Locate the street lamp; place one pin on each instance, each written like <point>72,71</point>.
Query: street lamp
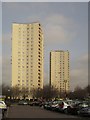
<point>65,81</point>
<point>9,93</point>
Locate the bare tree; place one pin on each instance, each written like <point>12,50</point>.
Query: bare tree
<point>6,90</point>
<point>24,92</point>
<point>15,92</point>
<point>49,92</point>
<point>78,93</point>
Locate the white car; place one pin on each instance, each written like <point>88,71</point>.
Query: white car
<point>3,106</point>
<point>62,107</point>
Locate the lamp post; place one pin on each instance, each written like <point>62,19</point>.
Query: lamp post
<point>65,81</point>
<point>59,86</point>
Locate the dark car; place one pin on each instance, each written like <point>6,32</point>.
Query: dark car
<point>84,111</point>
<point>34,102</point>
<point>54,105</point>
<point>73,109</point>
<point>22,102</point>
<point>47,105</point>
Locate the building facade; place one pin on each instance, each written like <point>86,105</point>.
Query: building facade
<point>27,56</point>
<point>59,70</point>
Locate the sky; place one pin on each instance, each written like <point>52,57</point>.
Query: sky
<point>65,27</point>
<point>45,0</point>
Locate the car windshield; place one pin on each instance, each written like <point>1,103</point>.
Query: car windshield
<point>1,102</point>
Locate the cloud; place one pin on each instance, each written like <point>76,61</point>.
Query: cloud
<point>6,56</point>
<point>79,72</point>
<point>6,44</point>
<point>6,70</point>
<point>6,37</point>
<point>60,29</point>
<point>0,69</point>
<point>84,58</point>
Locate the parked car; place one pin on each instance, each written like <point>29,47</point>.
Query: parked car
<point>54,105</point>
<point>62,107</point>
<point>47,105</point>
<point>34,102</point>
<point>3,109</point>
<point>22,102</point>
<point>3,106</point>
<point>84,111</point>
<point>73,109</point>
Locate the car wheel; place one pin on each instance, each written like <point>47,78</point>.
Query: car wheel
<point>65,111</point>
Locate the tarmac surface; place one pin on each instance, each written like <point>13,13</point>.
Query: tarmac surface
<point>26,111</point>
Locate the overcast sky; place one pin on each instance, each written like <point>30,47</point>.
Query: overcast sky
<point>65,27</point>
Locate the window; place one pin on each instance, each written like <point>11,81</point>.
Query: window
<point>38,52</point>
<point>39,31</point>
<point>38,80</point>
<point>31,45</point>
